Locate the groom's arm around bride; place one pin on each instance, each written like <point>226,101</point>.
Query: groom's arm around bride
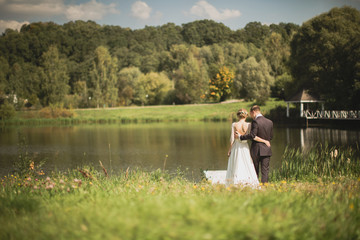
<point>260,152</point>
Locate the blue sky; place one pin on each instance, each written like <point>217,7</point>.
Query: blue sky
<point>137,14</point>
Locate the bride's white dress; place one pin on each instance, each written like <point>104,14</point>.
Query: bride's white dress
<point>241,170</point>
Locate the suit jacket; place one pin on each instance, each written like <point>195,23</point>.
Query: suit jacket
<point>263,128</point>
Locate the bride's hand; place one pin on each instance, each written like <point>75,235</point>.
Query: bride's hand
<point>229,152</point>
<point>267,143</point>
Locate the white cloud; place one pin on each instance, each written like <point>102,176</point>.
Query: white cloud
<point>140,10</point>
<point>205,10</point>
<point>89,11</point>
<point>42,8</point>
<point>11,24</point>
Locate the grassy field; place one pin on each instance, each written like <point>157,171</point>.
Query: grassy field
<point>196,112</point>
<point>152,206</point>
<point>158,205</point>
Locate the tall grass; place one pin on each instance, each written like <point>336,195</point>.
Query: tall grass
<point>156,205</point>
<point>321,161</point>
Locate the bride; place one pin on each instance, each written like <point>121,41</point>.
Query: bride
<point>241,169</point>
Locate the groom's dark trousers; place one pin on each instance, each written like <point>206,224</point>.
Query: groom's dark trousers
<point>260,153</point>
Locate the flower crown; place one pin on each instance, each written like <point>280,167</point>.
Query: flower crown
<point>242,113</point>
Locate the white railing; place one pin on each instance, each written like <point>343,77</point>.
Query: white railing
<point>332,114</point>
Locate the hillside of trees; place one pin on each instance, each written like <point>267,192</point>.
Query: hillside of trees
<point>83,64</point>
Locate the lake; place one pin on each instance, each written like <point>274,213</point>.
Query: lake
<point>190,146</point>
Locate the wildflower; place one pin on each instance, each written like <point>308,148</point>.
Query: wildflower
<point>351,206</point>
<point>68,189</point>
<point>50,186</point>
<point>78,181</point>
<point>283,182</point>
<point>36,187</point>
<point>28,179</point>
<point>90,183</point>
<point>194,186</point>
<point>48,179</point>
<point>333,183</point>
<point>32,165</point>
<point>61,181</point>
<point>202,188</point>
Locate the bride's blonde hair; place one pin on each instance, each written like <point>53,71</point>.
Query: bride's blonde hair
<point>242,113</point>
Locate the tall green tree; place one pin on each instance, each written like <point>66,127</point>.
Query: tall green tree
<point>104,78</point>
<point>25,82</point>
<point>205,32</point>
<point>325,57</point>
<point>54,78</point>
<point>4,71</point>
<point>253,80</point>
<point>191,78</point>
<point>128,85</point>
<point>155,86</point>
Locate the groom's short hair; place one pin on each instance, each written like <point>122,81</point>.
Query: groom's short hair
<point>255,108</point>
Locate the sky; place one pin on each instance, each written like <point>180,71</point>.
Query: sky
<point>137,14</point>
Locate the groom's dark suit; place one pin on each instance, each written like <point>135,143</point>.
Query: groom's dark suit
<point>260,153</point>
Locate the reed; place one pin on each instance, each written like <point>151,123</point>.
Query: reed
<point>321,161</point>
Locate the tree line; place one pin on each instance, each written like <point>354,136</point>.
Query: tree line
<point>83,64</point>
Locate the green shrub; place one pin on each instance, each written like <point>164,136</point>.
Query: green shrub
<point>55,111</point>
<point>7,111</point>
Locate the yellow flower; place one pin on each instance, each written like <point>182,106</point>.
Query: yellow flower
<point>283,181</point>
<point>351,206</point>
<point>333,183</point>
<point>90,183</point>
<point>202,188</point>
<point>195,187</point>
<point>32,165</point>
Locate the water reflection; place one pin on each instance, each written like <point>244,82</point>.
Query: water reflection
<point>192,146</point>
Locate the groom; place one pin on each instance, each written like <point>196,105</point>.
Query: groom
<point>260,153</point>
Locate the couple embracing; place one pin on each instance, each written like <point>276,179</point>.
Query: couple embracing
<point>244,164</point>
